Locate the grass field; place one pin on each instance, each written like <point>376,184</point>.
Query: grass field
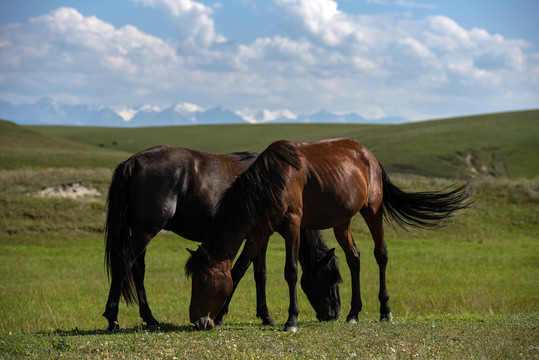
<point>466,291</point>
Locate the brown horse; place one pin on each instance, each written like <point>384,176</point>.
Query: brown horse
<point>315,185</point>
<point>178,189</point>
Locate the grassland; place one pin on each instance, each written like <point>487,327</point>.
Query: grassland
<point>465,291</point>
<point>500,145</point>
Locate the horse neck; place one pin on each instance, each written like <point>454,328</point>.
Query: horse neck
<point>225,237</point>
<point>312,248</point>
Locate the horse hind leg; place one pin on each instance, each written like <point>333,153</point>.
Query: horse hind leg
<point>111,309</point>
<point>140,241</point>
<point>375,223</point>
<point>138,245</point>
<point>347,243</point>
<point>139,269</point>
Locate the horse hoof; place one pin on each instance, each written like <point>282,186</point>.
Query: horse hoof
<point>386,317</point>
<point>151,322</point>
<point>268,321</point>
<point>113,327</point>
<point>351,320</point>
<point>292,329</point>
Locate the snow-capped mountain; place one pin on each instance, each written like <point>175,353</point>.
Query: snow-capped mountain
<point>49,112</point>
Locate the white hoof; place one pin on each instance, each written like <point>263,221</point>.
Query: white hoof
<point>292,329</point>
<point>386,317</point>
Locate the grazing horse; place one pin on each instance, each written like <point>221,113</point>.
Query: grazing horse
<point>178,189</point>
<point>314,185</point>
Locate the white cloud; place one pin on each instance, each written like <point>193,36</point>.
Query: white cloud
<point>323,58</point>
<point>192,19</point>
<point>416,47</point>
<point>76,54</point>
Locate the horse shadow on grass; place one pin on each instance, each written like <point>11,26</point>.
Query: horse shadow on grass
<point>161,328</point>
<point>173,328</point>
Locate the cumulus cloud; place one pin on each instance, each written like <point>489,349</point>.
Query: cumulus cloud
<point>65,50</point>
<point>375,65</point>
<point>193,21</point>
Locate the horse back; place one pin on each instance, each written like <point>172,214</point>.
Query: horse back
<point>340,177</point>
<point>178,188</point>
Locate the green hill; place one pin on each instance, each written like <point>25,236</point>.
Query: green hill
<point>22,147</point>
<point>501,145</point>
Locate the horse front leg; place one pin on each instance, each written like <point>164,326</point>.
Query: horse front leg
<point>252,249</point>
<point>260,275</point>
<point>292,238</point>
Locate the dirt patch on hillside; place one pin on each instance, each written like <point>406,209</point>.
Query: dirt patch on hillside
<point>72,191</point>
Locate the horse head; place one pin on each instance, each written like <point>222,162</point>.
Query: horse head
<point>322,287</point>
<point>212,285</point>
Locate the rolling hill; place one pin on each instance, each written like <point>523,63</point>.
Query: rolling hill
<point>21,147</point>
<point>499,145</point>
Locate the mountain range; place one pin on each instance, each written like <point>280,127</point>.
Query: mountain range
<point>49,112</point>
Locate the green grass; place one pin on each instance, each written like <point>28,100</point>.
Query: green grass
<point>501,145</point>
<point>465,291</point>
<point>453,337</point>
<point>21,147</point>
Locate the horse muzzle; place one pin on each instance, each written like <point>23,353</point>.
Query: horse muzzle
<point>329,315</point>
<point>204,323</point>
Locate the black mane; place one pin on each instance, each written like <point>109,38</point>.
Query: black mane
<point>254,198</point>
<point>243,155</point>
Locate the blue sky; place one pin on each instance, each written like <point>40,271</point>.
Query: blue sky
<point>415,59</point>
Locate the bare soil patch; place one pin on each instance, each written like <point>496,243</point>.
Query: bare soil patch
<point>71,190</point>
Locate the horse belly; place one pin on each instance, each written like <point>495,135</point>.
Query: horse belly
<point>327,212</point>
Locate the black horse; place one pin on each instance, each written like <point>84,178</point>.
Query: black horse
<point>178,189</point>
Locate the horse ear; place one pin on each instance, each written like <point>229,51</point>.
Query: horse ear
<point>203,252</point>
<point>330,255</point>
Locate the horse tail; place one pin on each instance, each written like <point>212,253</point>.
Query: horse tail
<point>425,210</point>
<point>118,254</point>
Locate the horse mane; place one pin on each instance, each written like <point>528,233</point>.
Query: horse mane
<point>243,155</point>
<point>193,264</point>
<point>253,198</point>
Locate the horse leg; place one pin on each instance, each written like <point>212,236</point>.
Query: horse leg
<point>252,248</point>
<point>111,309</point>
<point>347,243</point>
<point>259,268</point>
<point>292,238</point>
<point>375,223</point>
<point>138,245</point>
<point>139,270</point>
